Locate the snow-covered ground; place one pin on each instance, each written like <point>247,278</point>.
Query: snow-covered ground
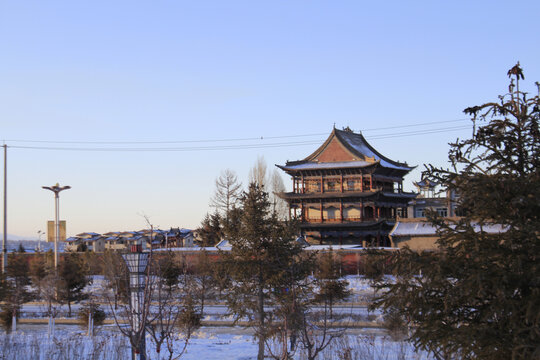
<point>69,342</point>
<point>32,341</point>
<point>354,309</point>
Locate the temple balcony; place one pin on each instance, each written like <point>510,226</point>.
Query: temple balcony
<point>348,220</point>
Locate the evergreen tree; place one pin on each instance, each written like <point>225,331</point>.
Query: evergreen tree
<point>292,300</point>
<point>331,287</point>
<point>21,248</point>
<point>232,225</point>
<point>15,289</point>
<point>203,276</point>
<point>479,296</point>
<point>37,271</point>
<point>168,270</point>
<point>257,262</point>
<point>210,231</point>
<point>73,279</point>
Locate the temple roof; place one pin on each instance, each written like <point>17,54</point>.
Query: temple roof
<point>425,184</point>
<point>344,149</point>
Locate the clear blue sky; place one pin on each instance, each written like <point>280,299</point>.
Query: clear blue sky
<point>150,71</point>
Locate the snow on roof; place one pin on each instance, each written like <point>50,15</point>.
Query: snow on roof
<point>223,244</point>
<point>412,228</point>
<point>87,234</point>
<point>424,228</point>
<point>333,247</point>
<point>358,143</point>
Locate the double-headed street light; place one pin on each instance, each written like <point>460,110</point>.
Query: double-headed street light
<point>56,190</point>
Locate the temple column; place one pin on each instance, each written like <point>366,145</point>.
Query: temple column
<point>322,219</point>
<point>303,184</point>
<point>341,210</point>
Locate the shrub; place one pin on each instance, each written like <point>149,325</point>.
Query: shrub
<point>6,316</point>
<point>97,314</point>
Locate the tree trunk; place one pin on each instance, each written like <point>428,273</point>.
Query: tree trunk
<point>14,322</point>
<point>260,300</point>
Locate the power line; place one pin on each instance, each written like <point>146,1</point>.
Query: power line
<point>220,140</point>
<point>234,146</point>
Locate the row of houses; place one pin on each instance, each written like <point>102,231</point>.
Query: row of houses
<point>121,240</point>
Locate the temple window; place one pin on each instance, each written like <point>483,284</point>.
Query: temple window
<point>331,185</point>
<point>366,184</point>
<point>442,212</point>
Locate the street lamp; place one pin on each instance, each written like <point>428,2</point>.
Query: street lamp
<point>137,261</point>
<point>56,190</point>
<point>39,239</point>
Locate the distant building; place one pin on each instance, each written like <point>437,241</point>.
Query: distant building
<point>51,230</point>
<point>346,192</point>
<point>419,234</point>
<point>429,198</point>
<point>120,241</point>
<point>88,241</point>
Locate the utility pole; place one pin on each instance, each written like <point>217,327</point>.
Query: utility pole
<point>4,242</point>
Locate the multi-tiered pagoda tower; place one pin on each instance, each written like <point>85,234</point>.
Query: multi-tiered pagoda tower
<point>346,192</point>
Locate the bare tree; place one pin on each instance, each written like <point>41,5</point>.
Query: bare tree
<point>276,187</point>
<point>258,173</point>
<point>272,183</point>
<point>227,193</point>
<point>317,331</point>
<point>166,306</point>
<point>49,293</point>
<point>130,322</point>
<point>116,275</point>
<point>318,328</point>
<point>171,308</point>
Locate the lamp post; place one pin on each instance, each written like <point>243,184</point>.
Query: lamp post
<point>56,190</point>
<point>39,239</point>
<point>4,241</point>
<point>137,261</point>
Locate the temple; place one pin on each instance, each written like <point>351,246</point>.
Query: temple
<point>346,192</point>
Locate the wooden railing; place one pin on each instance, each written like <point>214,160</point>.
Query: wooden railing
<point>338,220</point>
